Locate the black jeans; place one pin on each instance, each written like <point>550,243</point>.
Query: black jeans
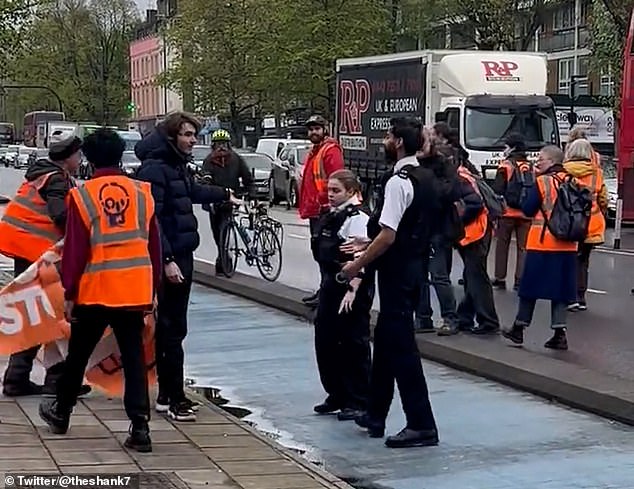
<point>312,225</point>
<point>219,216</point>
<point>478,292</point>
<point>396,355</point>
<point>20,364</point>
<point>437,274</point>
<point>558,313</point>
<point>86,330</point>
<point>342,343</point>
<point>171,329</point>
<point>583,264</point>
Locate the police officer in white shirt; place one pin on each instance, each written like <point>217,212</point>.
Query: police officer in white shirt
<point>401,231</point>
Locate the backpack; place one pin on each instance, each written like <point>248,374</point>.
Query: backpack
<point>518,185</point>
<point>570,216</point>
<point>495,204</point>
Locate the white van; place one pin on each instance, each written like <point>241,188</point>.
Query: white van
<point>273,147</point>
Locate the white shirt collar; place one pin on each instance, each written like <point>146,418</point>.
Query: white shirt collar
<point>408,160</point>
<point>354,200</point>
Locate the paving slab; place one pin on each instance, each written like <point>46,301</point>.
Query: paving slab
<point>100,469</point>
<point>235,454</point>
<point>208,478</point>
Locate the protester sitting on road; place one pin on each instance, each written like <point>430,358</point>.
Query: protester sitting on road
<point>325,158</point>
<point>342,323</point>
<point>579,164</point>
<point>164,155</point>
<point>550,267</point>
<point>35,220</point>
<point>111,268</point>
<point>225,168</point>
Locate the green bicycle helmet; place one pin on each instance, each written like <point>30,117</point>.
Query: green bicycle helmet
<point>221,136</point>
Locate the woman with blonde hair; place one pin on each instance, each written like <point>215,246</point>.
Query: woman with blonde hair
<point>579,162</point>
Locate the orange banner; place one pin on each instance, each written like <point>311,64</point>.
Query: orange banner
<point>32,313</point>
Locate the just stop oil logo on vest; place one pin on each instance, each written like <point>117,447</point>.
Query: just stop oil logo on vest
<point>115,201</point>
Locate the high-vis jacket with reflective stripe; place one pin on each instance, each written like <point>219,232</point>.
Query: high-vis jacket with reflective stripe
<point>508,168</point>
<point>26,229</point>
<point>475,230</point>
<point>539,236</point>
<point>117,211</point>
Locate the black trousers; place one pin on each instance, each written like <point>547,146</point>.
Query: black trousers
<point>219,216</point>
<point>312,225</point>
<point>396,355</point>
<point>86,330</point>
<point>171,329</point>
<point>18,372</point>
<point>342,344</point>
<point>478,293</point>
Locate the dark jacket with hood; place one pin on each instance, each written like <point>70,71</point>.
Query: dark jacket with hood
<point>55,190</point>
<point>174,192</point>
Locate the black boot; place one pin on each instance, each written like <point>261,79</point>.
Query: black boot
<point>57,419</point>
<point>376,429</point>
<point>515,334</point>
<point>407,438</point>
<point>327,407</point>
<point>20,390</point>
<point>349,414</point>
<point>558,341</point>
<point>139,438</point>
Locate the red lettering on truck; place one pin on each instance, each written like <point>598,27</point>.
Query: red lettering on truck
<point>500,70</point>
<point>354,100</point>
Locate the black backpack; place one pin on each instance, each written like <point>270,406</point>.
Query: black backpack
<point>518,185</point>
<point>494,203</point>
<point>570,216</point>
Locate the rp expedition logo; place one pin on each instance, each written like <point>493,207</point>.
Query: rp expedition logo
<point>500,71</point>
<point>354,99</point>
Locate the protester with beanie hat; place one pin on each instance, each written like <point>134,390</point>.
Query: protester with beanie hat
<point>53,180</point>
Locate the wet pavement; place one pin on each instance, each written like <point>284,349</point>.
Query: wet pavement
<point>492,437</point>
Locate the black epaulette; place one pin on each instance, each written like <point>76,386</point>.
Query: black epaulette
<point>404,172</point>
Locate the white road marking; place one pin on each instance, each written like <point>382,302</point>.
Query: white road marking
<point>595,291</point>
<point>297,236</point>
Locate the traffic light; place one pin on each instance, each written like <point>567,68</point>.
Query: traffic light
<point>131,107</point>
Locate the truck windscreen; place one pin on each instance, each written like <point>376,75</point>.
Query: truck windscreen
<point>487,128</point>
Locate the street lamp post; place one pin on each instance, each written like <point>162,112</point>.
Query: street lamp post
<point>38,87</point>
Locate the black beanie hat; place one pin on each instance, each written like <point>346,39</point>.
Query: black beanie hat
<point>61,150</point>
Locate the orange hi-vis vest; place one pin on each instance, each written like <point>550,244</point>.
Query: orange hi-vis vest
<point>26,229</point>
<point>319,174</point>
<point>117,211</point>
<point>539,236</point>
<point>508,173</point>
<point>596,159</point>
<point>474,231</point>
<point>594,182</point>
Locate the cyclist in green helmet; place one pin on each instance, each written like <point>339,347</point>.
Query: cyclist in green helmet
<point>225,168</point>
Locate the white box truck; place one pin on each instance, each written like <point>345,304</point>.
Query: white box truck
<point>485,95</point>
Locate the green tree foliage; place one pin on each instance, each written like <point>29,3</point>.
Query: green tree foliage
<point>609,26</point>
<point>251,55</point>
<point>486,24</point>
<point>80,49</point>
<point>16,17</point>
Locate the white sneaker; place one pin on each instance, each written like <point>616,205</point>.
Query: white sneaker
<point>162,404</point>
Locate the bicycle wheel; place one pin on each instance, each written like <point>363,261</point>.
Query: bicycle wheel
<point>229,251</point>
<point>267,248</point>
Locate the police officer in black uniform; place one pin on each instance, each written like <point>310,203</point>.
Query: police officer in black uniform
<point>342,322</point>
<point>401,231</point>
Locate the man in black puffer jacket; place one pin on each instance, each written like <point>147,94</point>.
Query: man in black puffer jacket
<point>164,154</point>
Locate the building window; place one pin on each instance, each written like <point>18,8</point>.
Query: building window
<point>566,70</point>
<point>606,83</point>
<point>564,17</point>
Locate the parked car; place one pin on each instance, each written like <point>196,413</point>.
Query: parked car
<point>12,154</point>
<point>611,183</point>
<point>199,154</point>
<point>24,156</point>
<point>286,175</point>
<point>260,166</point>
<point>3,153</point>
<point>130,163</point>
<point>38,154</point>
<point>274,146</point>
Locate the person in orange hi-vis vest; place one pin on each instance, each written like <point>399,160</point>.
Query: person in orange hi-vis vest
<point>477,302</point>
<point>550,267</point>
<point>34,221</point>
<point>514,175</point>
<point>579,163</point>
<point>112,241</point>
<point>325,158</point>
<point>577,133</point>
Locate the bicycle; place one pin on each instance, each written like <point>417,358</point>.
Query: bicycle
<point>261,237</point>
